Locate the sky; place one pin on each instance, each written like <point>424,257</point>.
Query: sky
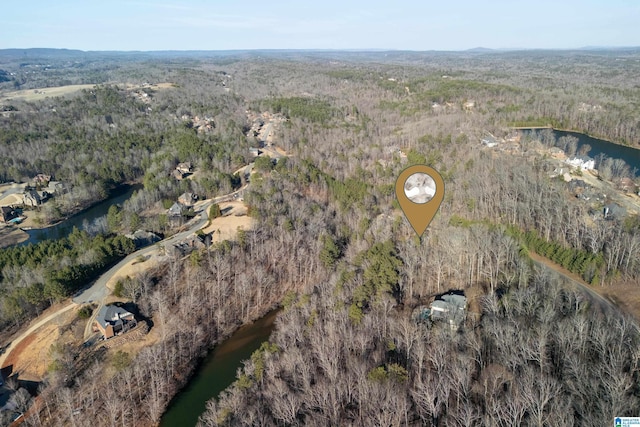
<point>325,24</point>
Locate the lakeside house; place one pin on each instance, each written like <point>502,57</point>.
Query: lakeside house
<point>31,198</point>
<point>583,162</point>
<point>113,320</point>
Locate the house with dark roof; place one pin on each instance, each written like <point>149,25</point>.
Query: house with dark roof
<point>31,198</point>
<point>7,214</point>
<point>113,320</point>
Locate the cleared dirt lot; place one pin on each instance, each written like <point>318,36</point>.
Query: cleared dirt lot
<point>31,357</point>
<point>234,217</point>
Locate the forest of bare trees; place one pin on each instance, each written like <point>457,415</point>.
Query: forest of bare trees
<point>535,358</point>
<point>331,242</point>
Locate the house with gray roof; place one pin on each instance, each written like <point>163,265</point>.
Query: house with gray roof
<point>613,211</point>
<point>450,307</point>
<point>113,320</point>
<point>176,210</point>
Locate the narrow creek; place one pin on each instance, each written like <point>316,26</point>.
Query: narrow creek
<point>217,372</point>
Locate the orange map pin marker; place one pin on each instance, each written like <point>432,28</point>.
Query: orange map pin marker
<point>420,191</point>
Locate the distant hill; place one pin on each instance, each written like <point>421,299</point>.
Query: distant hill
<point>480,50</point>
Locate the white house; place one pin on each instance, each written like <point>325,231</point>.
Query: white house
<point>582,162</point>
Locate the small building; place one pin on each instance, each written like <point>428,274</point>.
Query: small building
<point>613,211</point>
<point>113,320</point>
<point>41,178</point>
<point>177,209</point>
<point>183,170</point>
<point>7,214</point>
<point>184,167</point>
<point>255,152</point>
<point>55,188</point>
<point>489,142</point>
<point>143,238</point>
<point>187,199</point>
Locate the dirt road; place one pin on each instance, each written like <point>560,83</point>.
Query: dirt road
<point>603,303</point>
<point>40,322</point>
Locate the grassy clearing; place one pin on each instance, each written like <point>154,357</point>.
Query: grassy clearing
<point>39,94</point>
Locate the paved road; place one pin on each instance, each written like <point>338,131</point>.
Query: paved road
<point>98,291</point>
<point>13,189</point>
<point>267,132</point>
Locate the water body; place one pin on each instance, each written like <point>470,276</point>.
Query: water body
<point>217,372</point>
<point>599,146</point>
<point>64,228</point>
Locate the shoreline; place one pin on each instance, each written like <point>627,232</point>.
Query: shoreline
<point>76,212</point>
<point>11,237</point>
<point>520,128</point>
<point>20,234</point>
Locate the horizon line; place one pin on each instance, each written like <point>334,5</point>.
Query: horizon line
<point>478,49</point>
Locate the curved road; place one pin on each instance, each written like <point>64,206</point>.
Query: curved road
<point>99,291</point>
<point>604,304</point>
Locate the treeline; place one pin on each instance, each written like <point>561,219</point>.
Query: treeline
<point>34,276</point>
